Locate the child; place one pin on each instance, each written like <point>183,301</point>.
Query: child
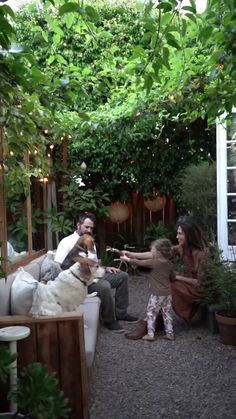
<point>159,283</point>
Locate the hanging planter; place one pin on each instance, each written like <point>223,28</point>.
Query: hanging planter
<point>118,212</point>
<point>156,204</point>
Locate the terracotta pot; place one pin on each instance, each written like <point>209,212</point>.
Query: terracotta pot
<point>156,204</point>
<point>227,328</point>
<point>118,212</point>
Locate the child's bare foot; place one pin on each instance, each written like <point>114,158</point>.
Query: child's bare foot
<point>170,336</point>
<point>148,337</point>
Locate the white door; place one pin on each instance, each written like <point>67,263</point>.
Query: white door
<point>226,185</point>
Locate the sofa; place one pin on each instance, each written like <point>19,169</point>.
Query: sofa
<point>66,343</point>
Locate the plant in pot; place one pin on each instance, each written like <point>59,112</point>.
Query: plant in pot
<point>220,289</point>
<point>37,394</point>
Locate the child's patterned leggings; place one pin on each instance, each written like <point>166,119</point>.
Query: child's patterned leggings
<point>155,304</point>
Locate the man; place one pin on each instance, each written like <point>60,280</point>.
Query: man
<point>114,278</point>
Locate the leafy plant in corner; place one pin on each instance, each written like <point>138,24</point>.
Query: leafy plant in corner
<point>220,283</point>
<point>37,395</point>
<point>6,359</point>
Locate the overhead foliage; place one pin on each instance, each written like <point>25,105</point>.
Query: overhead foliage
<point>135,87</point>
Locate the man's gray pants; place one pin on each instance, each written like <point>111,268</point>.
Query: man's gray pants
<point>110,309</point>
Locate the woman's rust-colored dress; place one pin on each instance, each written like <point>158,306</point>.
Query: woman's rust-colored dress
<point>185,296</point>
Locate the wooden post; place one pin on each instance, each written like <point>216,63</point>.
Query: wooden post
<point>3,216</point>
<point>29,210</point>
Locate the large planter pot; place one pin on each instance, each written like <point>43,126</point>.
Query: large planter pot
<point>227,328</point>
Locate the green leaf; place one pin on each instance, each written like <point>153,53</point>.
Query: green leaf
<point>165,19</point>
<point>83,116</point>
<point>183,27</point>
<point>45,36</point>
<point>205,33</point>
<point>7,10</point>
<point>172,41</point>
<point>68,8</point>
<point>4,41</point>
<point>69,19</point>
<point>5,26</point>
<point>165,57</point>
<point>56,39</point>
<point>191,17</point>
<point>61,59</point>
<point>51,59</point>
<point>137,53</point>
<point>164,5</point>
<point>148,82</point>
<point>37,74</point>
<point>92,13</point>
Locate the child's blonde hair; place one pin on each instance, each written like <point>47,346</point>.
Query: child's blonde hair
<point>163,246</point>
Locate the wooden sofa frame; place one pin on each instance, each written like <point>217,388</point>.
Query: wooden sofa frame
<point>58,342</point>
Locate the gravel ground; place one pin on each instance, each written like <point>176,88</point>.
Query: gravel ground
<point>191,377</point>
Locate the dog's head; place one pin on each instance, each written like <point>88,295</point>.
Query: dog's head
<point>87,257</point>
<point>86,251</point>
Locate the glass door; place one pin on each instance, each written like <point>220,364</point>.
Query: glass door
<point>226,185</point>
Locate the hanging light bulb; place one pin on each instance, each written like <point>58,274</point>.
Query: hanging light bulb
<point>83,166</point>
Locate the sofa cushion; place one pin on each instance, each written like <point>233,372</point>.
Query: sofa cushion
<point>90,309</point>
<point>49,269</point>
<point>22,291</point>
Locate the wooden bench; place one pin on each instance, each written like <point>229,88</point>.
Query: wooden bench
<point>57,342</point>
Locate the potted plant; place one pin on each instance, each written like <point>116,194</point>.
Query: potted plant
<point>220,289</point>
<point>37,394</point>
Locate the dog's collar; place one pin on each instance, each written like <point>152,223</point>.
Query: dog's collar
<point>81,280</point>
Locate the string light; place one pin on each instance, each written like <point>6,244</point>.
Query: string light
<point>83,166</point>
<point>51,146</point>
<point>35,152</point>
<point>11,153</point>
<point>46,131</point>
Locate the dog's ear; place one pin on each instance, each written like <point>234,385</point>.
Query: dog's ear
<point>88,242</point>
<point>85,261</point>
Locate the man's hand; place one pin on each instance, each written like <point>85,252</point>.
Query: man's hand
<point>112,270</point>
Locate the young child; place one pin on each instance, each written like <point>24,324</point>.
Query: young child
<point>162,273</point>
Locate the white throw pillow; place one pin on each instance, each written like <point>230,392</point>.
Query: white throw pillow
<point>22,291</point>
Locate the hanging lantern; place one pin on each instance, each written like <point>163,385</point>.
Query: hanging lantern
<point>118,212</point>
<point>156,204</point>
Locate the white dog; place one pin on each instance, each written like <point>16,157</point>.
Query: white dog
<point>70,287</point>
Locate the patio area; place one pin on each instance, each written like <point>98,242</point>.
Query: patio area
<point>191,377</point>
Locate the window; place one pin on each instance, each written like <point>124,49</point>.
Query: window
<point>226,185</point>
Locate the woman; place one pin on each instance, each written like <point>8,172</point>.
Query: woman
<point>186,290</point>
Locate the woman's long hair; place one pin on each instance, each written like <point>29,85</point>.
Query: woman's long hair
<point>193,235</point>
